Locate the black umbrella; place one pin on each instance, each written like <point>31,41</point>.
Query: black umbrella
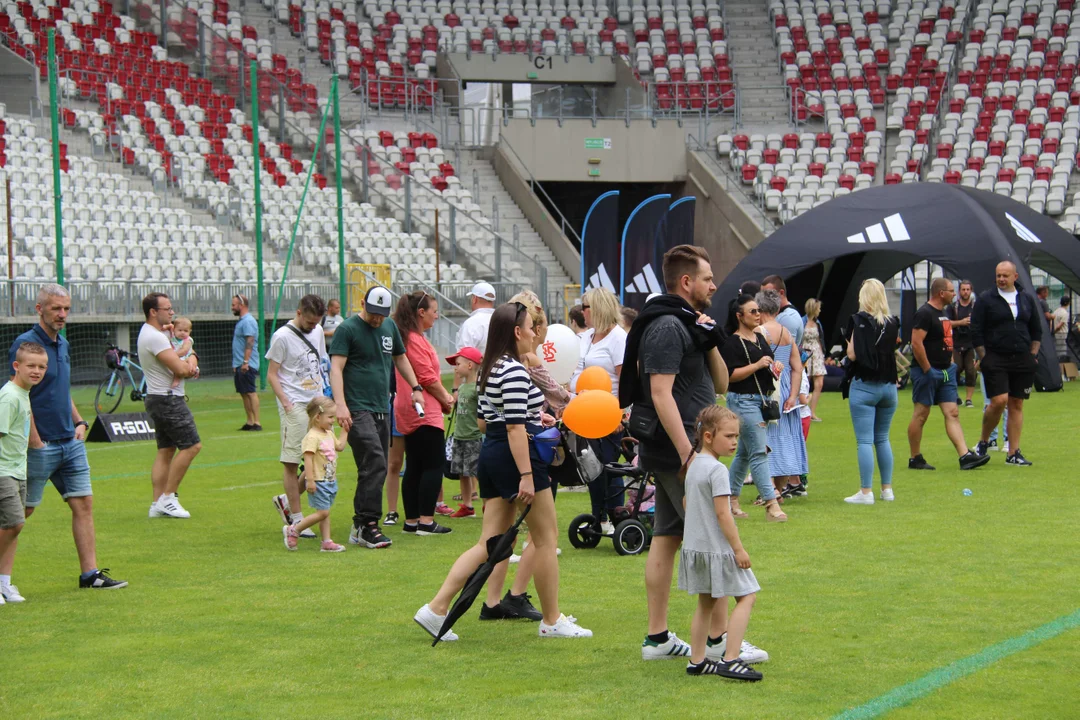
<point>500,547</point>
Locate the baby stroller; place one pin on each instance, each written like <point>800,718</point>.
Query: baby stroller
<point>633,522</point>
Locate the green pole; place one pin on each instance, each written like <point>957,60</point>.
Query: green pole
<point>340,202</point>
<point>303,197</point>
<point>54,115</point>
<point>258,220</point>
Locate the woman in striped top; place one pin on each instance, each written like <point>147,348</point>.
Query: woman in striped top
<point>510,471</point>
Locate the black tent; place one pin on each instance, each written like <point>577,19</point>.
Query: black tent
<point>878,232</point>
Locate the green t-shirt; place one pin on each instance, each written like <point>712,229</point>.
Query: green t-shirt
<point>465,427</point>
<point>369,362</point>
<point>15,426</point>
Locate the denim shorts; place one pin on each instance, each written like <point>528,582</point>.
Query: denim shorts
<point>62,461</point>
<point>935,387</point>
<point>324,495</point>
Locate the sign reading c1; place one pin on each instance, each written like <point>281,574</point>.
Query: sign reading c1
<point>122,427</point>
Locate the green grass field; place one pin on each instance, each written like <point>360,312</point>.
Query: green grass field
<point>221,622</point>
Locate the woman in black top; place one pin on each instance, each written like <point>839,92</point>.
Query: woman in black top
<point>751,381</point>
<point>871,347</point>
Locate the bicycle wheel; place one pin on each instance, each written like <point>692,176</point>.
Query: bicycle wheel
<point>109,394</point>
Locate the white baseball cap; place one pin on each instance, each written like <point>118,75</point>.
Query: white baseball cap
<point>484,291</point>
<point>378,301</point>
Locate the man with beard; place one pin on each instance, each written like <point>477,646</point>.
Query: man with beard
<point>296,355</point>
<point>959,315</point>
<point>245,361</point>
<point>671,370</point>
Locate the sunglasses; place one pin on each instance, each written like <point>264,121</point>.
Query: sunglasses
<point>753,311</point>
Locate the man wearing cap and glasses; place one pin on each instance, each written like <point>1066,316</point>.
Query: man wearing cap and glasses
<point>474,331</point>
<point>363,353</point>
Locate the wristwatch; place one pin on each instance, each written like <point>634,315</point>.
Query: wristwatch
<point>83,423</point>
<point>418,388</point>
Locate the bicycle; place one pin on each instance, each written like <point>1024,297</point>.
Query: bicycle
<point>111,390</point>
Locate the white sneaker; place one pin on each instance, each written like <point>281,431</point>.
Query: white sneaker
<point>887,495</point>
<point>155,510</point>
<point>607,528</point>
<point>860,498</point>
<point>426,618</point>
<point>307,534</point>
<point>563,628</point>
<point>2,600</point>
<point>10,594</point>
<point>515,559</point>
<point>169,506</point>
<point>281,504</point>
<point>749,653</point>
<point>672,649</point>
<point>354,537</point>
<point>1005,448</point>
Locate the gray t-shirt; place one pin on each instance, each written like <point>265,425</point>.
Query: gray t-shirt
<point>667,348</point>
<point>789,317</point>
<point>707,478</point>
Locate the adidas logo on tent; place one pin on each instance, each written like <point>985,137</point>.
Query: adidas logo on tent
<point>1022,232</point>
<point>645,282</point>
<point>600,279</point>
<point>897,231</point>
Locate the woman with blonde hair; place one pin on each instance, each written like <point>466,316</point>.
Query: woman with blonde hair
<point>870,336</point>
<point>603,345</point>
<point>813,349</point>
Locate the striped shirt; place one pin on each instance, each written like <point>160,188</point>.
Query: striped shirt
<point>510,396</point>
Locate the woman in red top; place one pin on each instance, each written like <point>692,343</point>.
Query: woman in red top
<point>425,445</point>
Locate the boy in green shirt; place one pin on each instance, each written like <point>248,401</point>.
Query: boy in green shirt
<point>468,433</point>
<point>28,369</point>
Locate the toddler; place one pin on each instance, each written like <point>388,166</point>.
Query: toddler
<point>320,448</point>
<point>713,564</point>
<point>468,433</point>
<point>183,345</point>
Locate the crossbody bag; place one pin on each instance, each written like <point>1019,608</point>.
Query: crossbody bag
<point>323,369</point>
<point>770,409</point>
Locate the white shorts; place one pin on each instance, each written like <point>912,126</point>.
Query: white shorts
<point>294,426</point>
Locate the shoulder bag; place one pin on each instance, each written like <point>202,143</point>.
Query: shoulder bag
<point>770,409</point>
<point>324,368</point>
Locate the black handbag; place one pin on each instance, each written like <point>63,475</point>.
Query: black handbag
<point>770,409</point>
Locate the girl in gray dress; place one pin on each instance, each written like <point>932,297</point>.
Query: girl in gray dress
<point>713,564</point>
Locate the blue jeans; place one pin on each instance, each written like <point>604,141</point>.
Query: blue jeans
<point>751,454</point>
<point>872,408</point>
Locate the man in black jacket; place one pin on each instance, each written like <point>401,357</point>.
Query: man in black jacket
<point>1006,329</point>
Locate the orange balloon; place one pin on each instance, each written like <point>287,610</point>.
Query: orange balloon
<point>594,378</point>
<point>593,414</point>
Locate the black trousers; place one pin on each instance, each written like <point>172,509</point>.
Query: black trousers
<point>369,438</point>
<point>425,450</point>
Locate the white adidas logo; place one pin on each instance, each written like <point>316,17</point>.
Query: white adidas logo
<point>1022,232</point>
<point>876,232</point>
<point>600,279</point>
<point>645,282</point>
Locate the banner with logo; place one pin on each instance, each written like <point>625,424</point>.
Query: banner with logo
<point>680,222</point>
<point>908,303</point>
<point>644,242</point>
<point>601,251</point>
<point>121,427</point>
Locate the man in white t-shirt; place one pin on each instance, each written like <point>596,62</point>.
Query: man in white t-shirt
<point>333,319</point>
<point>296,354</point>
<point>1060,328</point>
<point>474,331</point>
<point>174,427</point>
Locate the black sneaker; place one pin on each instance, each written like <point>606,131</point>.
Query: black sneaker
<point>972,460</point>
<point>432,528</point>
<point>371,537</point>
<point>1017,459</point>
<point>992,443</point>
<point>969,404</point>
<point>919,463</point>
<point>493,613</point>
<point>407,528</point>
<point>101,581</point>
<point>518,606</point>
<point>983,448</point>
<point>734,670</point>
<point>390,519</point>
<point>255,428</point>
<point>246,428</point>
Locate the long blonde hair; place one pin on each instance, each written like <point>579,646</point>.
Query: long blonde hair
<point>604,307</point>
<point>873,301</point>
<point>813,309</point>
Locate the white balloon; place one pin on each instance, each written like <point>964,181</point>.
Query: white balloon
<point>560,353</point>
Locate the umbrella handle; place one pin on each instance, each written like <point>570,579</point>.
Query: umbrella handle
<point>523,512</point>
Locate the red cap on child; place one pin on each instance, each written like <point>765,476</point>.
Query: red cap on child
<point>469,353</point>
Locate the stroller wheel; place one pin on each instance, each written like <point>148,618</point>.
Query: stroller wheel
<point>583,532</point>
<point>630,538</point>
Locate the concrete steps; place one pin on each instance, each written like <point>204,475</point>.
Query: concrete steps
<point>748,30</point>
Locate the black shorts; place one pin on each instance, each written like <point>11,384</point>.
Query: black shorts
<point>1013,374</point>
<point>174,425</point>
<point>497,473</point>
<point>245,381</point>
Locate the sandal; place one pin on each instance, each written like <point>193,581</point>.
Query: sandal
<point>738,512</point>
<point>777,516</point>
<point>457,498</point>
<point>759,501</point>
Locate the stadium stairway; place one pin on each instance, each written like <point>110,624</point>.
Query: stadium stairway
<point>753,58</point>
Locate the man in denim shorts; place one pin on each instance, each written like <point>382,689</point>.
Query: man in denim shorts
<point>177,438</point>
<point>56,449</point>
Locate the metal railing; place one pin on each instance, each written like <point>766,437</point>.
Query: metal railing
<point>538,189</point>
<point>733,186</point>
